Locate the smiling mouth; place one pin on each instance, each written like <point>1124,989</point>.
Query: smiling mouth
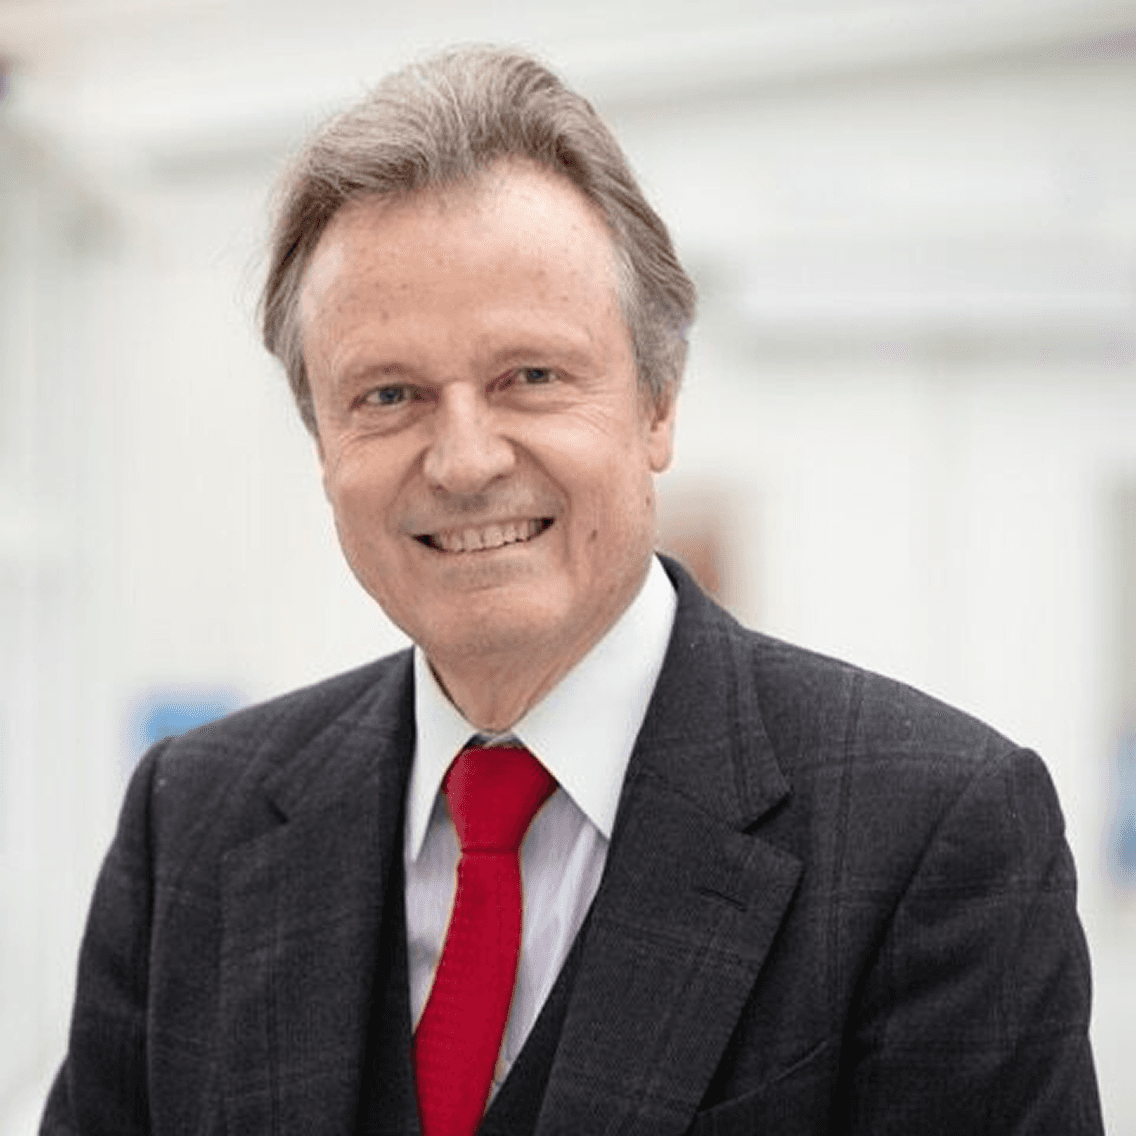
<point>485,538</point>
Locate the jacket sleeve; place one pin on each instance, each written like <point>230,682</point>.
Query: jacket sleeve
<point>975,1017</point>
<point>101,1086</point>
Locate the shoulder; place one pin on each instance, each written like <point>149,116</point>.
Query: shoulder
<point>214,775</point>
<point>812,706</point>
<point>886,769</point>
<point>859,753</point>
<point>896,791</point>
<point>886,791</point>
<point>262,732</point>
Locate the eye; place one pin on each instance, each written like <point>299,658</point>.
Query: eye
<point>525,377</point>
<point>386,396</point>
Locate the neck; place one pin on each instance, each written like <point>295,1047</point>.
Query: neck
<point>495,688</point>
<point>494,694</point>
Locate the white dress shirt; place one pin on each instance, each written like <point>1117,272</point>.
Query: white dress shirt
<point>583,732</point>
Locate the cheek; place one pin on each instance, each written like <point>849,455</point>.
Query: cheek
<point>357,488</point>
<point>359,518</point>
<point>346,506</point>
<point>624,520</point>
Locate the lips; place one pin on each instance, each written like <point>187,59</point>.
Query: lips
<point>485,537</point>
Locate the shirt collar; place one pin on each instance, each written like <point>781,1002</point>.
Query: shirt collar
<point>582,731</point>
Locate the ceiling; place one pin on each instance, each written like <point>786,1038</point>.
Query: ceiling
<point>123,85</point>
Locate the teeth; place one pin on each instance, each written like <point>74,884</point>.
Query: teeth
<point>490,536</point>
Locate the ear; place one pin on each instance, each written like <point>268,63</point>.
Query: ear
<point>660,432</point>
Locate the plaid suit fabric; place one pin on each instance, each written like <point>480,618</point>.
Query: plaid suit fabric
<point>831,905</point>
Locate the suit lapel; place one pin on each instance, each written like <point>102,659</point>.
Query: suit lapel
<point>302,910</point>
<point>690,901</point>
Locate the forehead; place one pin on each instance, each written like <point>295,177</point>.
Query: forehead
<point>515,224</point>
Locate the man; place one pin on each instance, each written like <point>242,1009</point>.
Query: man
<point>763,891</point>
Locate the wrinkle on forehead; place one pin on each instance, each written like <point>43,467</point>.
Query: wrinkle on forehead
<point>509,181</point>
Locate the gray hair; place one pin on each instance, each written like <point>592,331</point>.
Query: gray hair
<point>439,124</point>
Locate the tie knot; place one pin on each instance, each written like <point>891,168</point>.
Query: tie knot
<point>494,793</point>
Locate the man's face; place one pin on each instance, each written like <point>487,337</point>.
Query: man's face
<point>485,446</point>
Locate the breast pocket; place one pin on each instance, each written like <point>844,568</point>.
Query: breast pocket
<point>795,1100</point>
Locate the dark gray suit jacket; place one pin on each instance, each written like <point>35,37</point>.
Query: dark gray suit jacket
<point>831,905</point>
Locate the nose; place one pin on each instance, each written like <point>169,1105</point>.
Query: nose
<point>467,451</point>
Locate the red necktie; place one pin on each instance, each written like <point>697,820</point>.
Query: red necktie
<point>493,795</point>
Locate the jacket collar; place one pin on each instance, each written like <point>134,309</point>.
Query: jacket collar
<point>703,733</point>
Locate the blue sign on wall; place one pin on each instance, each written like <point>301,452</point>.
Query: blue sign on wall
<point>1122,835</point>
<point>166,713</point>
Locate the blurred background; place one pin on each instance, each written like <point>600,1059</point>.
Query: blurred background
<point>908,435</point>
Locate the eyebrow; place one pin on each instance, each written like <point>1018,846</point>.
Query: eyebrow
<point>546,355</point>
<point>550,349</point>
<point>568,347</point>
